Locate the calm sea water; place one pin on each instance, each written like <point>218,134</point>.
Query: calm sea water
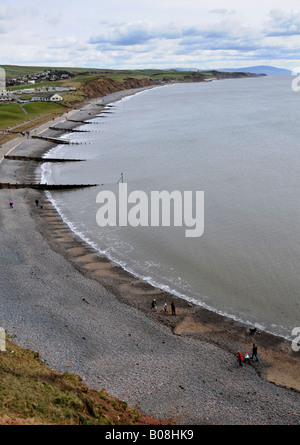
<point>236,140</point>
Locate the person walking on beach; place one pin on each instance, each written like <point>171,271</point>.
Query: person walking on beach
<point>36,202</point>
<point>247,358</point>
<point>153,304</point>
<point>254,352</point>
<point>165,308</point>
<point>173,308</point>
<point>240,358</point>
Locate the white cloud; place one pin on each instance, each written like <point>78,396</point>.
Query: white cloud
<point>283,23</point>
<point>139,33</point>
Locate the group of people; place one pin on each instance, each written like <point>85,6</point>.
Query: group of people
<point>246,359</point>
<point>37,203</point>
<point>240,358</point>
<point>25,133</point>
<point>164,308</point>
<point>11,204</point>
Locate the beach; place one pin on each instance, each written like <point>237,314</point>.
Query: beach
<point>86,315</point>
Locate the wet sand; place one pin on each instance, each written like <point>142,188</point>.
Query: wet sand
<point>201,345</point>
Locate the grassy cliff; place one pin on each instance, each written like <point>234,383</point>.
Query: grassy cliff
<point>33,394</point>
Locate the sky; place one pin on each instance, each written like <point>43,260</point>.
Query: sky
<point>140,34</point>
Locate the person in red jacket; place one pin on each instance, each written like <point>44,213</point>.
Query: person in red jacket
<point>240,358</point>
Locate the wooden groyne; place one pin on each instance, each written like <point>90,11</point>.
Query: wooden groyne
<point>71,130</point>
<point>50,139</point>
<point>7,185</point>
<point>77,122</point>
<point>58,141</point>
<point>40,159</point>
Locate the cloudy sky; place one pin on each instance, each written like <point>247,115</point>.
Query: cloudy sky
<point>201,34</point>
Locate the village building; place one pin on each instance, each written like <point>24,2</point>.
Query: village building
<point>5,95</point>
<point>46,97</point>
<point>26,91</point>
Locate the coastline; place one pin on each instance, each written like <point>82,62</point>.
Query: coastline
<point>191,324</point>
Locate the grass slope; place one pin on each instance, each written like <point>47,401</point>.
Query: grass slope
<point>14,114</point>
<point>31,393</point>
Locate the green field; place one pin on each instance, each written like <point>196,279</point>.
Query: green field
<point>13,71</point>
<point>12,114</point>
<point>19,70</point>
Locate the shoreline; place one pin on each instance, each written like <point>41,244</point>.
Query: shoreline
<point>277,362</point>
<point>117,97</point>
<point>105,102</point>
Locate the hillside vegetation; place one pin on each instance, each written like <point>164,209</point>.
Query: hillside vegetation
<point>31,393</point>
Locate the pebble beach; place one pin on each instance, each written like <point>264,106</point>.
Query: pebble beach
<point>86,315</point>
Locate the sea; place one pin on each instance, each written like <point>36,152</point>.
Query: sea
<point>237,141</point>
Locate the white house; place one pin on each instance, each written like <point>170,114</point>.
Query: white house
<point>46,97</point>
<point>5,95</point>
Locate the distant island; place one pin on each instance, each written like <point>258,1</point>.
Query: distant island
<point>260,69</point>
